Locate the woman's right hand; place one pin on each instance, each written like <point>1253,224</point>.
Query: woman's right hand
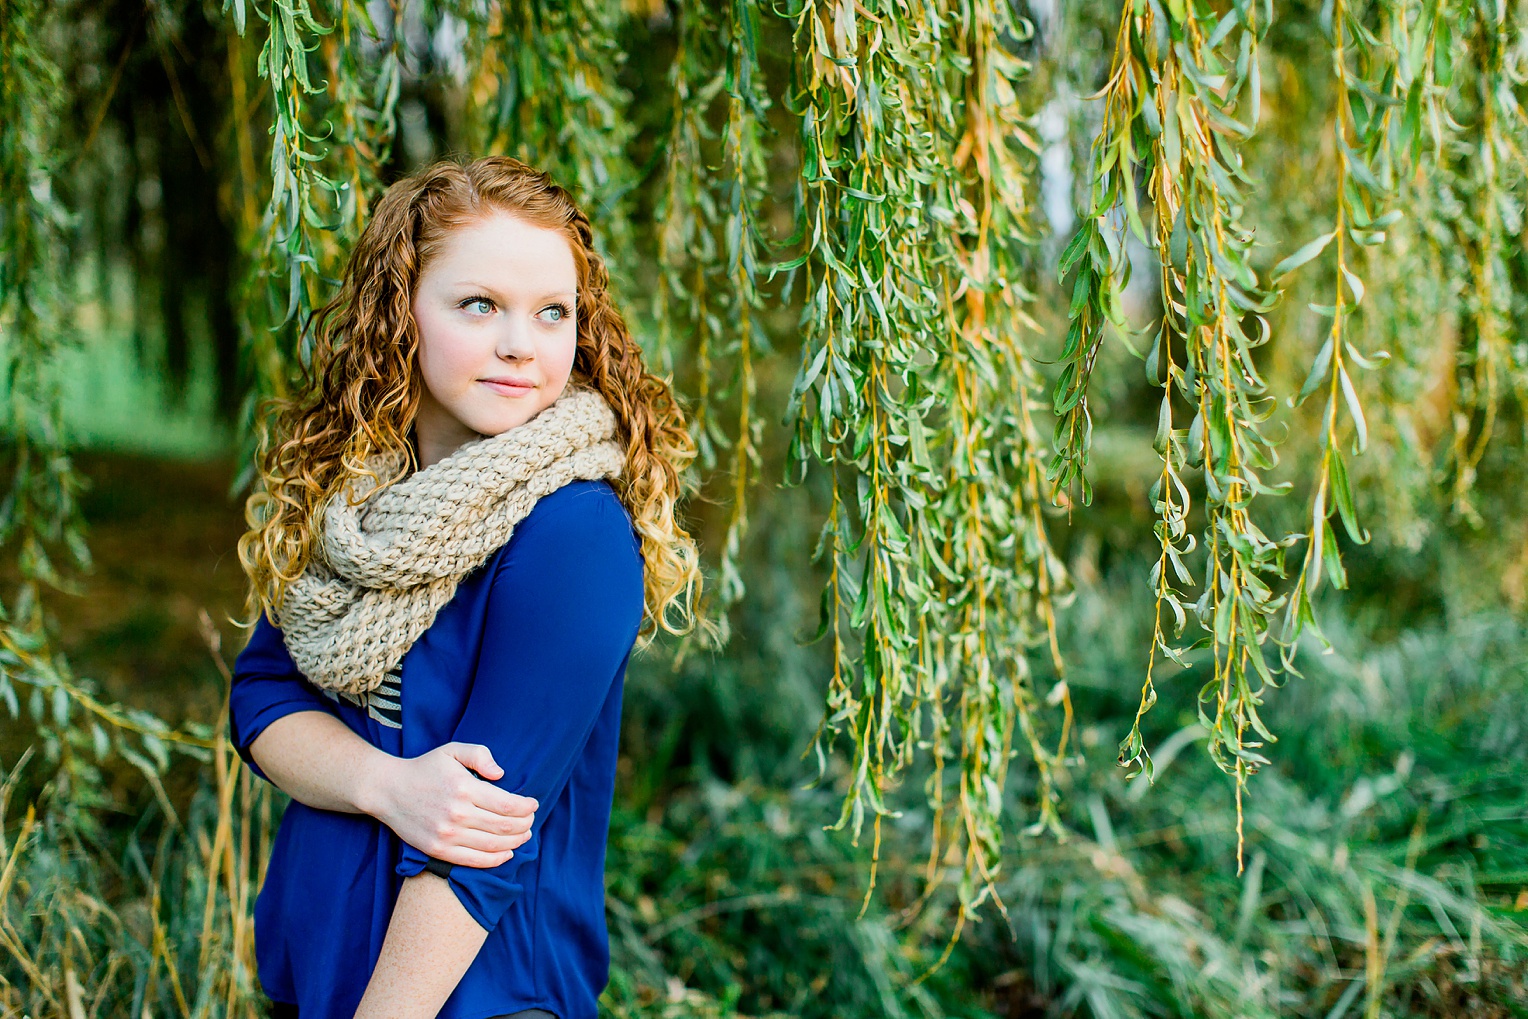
<point>436,805</point>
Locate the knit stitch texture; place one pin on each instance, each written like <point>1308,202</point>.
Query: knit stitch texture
<point>388,565</point>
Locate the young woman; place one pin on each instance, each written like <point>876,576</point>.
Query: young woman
<point>466,523</point>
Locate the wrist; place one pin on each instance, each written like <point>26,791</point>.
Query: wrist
<point>378,778</point>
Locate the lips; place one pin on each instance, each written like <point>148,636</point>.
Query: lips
<point>509,385</point>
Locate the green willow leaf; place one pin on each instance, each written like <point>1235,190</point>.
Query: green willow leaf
<point>1303,254</point>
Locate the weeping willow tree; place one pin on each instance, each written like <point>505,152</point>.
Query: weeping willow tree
<point>828,222</point>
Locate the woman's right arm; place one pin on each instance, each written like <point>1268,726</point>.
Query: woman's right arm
<point>432,802</point>
<point>307,756</point>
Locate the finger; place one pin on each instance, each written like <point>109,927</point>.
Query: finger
<point>460,857</point>
<point>477,757</point>
<point>491,797</point>
<point>506,842</point>
<point>475,839</point>
<point>497,824</point>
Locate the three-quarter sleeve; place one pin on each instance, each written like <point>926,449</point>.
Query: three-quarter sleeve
<point>266,686</point>
<point>561,617</point>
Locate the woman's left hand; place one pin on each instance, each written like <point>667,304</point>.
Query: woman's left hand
<point>436,804</point>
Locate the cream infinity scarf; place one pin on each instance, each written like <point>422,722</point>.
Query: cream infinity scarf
<point>388,565</point>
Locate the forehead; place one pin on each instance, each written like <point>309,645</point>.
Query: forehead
<point>506,251</point>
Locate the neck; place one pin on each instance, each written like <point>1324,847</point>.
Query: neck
<point>436,435</point>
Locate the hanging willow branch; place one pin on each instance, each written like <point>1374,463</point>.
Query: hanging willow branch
<point>543,89</point>
<point>1183,95</point>
<point>685,205</point>
<point>40,511</point>
<point>916,391</point>
<point>1001,581</point>
<point>1371,160</point>
<point>280,288</point>
<point>330,139</point>
<point>710,250</point>
<point>291,250</point>
<point>1495,165</point>
<point>365,75</point>
<point>745,159</point>
<point>859,395</point>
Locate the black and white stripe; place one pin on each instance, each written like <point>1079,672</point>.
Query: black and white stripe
<point>383,702</point>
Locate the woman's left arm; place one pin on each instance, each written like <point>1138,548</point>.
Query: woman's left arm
<point>430,942</point>
<point>562,613</point>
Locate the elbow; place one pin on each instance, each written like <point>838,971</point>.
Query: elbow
<point>256,761</point>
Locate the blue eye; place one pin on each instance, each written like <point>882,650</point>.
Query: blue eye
<point>476,300</point>
<point>563,311</point>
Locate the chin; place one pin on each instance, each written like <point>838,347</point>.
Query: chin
<point>494,424</point>
<point>501,426</point>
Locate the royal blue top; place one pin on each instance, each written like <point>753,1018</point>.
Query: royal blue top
<point>529,659</point>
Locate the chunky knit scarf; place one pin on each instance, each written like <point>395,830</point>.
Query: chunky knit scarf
<point>388,565</point>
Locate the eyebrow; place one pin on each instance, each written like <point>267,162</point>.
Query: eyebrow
<point>472,285</point>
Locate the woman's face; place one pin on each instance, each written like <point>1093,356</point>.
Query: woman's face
<point>497,330</point>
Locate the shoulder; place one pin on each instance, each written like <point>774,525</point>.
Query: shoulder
<point>572,565</point>
<point>584,521</point>
<point>265,650</point>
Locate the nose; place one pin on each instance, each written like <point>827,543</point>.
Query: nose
<point>514,341</point>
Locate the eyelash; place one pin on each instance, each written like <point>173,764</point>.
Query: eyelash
<point>561,307</point>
